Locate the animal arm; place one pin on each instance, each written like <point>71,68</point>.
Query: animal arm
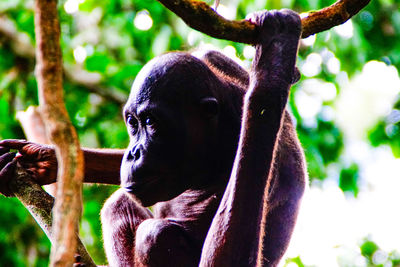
<point>102,165</point>
<point>235,232</point>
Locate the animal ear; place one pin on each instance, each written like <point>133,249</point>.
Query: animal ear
<point>209,106</point>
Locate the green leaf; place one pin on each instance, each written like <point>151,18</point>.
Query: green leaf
<point>97,62</point>
<point>348,179</point>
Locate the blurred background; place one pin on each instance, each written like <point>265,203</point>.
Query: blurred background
<point>346,107</point>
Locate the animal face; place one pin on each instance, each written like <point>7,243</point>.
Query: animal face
<point>171,117</point>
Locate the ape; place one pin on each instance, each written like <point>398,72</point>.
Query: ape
<point>225,186</point>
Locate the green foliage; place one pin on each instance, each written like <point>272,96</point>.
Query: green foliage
<point>387,131</point>
<point>296,260</point>
<point>370,253</point>
<point>17,225</point>
<point>348,180</point>
<point>322,145</point>
<point>376,257</point>
<point>368,248</point>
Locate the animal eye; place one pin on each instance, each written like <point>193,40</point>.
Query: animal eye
<point>132,122</point>
<point>149,120</point>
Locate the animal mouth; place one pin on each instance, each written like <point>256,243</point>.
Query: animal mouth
<point>137,187</point>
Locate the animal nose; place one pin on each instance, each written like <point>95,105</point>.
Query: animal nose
<point>135,153</point>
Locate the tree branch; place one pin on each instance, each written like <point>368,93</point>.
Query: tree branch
<point>61,133</point>
<point>40,205</point>
<point>200,16</point>
<point>331,16</point>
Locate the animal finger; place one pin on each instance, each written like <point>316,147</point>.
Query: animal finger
<point>6,174</point>
<point>4,150</point>
<point>14,143</point>
<point>6,158</point>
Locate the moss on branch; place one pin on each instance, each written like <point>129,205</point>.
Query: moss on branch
<point>40,205</point>
<point>200,16</point>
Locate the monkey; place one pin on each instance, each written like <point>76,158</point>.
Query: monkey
<point>212,148</point>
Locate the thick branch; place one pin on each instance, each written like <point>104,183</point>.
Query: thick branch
<point>40,204</point>
<point>331,16</point>
<point>61,133</point>
<point>23,48</point>
<point>199,16</point>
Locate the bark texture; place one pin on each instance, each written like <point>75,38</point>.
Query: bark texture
<point>200,16</point>
<point>40,205</point>
<point>60,132</point>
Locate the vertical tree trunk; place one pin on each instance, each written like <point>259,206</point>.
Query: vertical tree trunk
<point>60,132</point>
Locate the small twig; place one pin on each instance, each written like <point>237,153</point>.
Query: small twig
<point>200,16</point>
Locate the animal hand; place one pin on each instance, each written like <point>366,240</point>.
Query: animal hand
<point>7,169</point>
<point>39,160</point>
<point>278,38</point>
<point>276,22</point>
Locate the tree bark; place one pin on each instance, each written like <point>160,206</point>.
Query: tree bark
<point>60,132</point>
<point>40,205</point>
<point>32,196</point>
<point>200,16</point>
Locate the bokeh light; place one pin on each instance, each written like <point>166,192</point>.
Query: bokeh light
<point>345,30</point>
<point>80,54</point>
<point>72,6</point>
<point>143,21</point>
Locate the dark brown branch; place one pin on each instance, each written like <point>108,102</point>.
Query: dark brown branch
<point>199,16</point>
<point>40,205</point>
<point>61,133</point>
<point>331,16</point>
<point>22,47</point>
